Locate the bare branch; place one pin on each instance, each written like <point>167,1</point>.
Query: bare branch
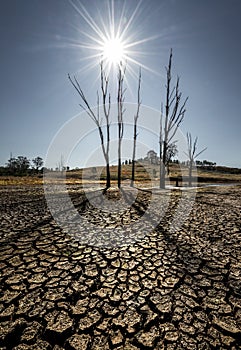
<point>106,99</point>
<point>174,115</point>
<point>120,102</point>
<point>201,152</point>
<point>86,105</point>
<point>136,116</point>
<point>192,148</point>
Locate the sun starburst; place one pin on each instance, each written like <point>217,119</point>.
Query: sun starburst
<point>112,38</point>
<point>113,51</point>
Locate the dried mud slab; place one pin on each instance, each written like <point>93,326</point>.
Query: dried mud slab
<point>170,290</point>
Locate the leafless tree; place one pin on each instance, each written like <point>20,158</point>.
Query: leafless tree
<point>60,164</point>
<point>162,181</point>
<point>135,130</point>
<point>170,122</point>
<point>192,155</point>
<point>120,104</point>
<point>95,116</point>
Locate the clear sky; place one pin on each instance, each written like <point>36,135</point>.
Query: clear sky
<point>41,41</point>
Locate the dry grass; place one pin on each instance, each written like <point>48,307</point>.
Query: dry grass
<point>20,180</point>
<point>144,173</point>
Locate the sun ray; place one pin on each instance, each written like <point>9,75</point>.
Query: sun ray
<point>106,29</point>
<point>112,38</point>
<point>112,20</point>
<point>131,19</point>
<point>86,16</point>
<point>96,40</point>
<point>142,66</point>
<point>121,21</point>
<point>145,40</point>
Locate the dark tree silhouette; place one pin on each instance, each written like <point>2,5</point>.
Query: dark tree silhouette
<point>170,122</point>
<point>192,155</point>
<point>18,166</point>
<point>172,151</point>
<point>106,101</point>
<point>38,162</point>
<point>11,165</point>
<point>120,104</point>
<point>135,131</point>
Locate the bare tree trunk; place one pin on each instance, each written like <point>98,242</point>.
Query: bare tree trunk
<point>192,155</point>
<point>160,149</point>
<point>133,156</point>
<point>106,107</point>
<point>162,175</point>
<point>160,172</point>
<point>190,175</point>
<point>119,163</point>
<point>108,179</point>
<point>96,116</point>
<point>162,167</point>
<point>108,184</point>
<point>135,132</point>
<point>107,150</point>
<point>164,154</point>
<point>120,102</point>
<point>174,114</point>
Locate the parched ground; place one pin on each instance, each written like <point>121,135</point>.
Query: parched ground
<point>171,289</point>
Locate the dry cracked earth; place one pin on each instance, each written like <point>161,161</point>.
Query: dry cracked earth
<point>169,289</point>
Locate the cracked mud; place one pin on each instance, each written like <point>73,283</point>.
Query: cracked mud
<point>168,290</point>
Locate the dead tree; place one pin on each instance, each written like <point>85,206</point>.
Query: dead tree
<point>120,103</point>
<point>161,148</point>
<point>60,165</point>
<point>192,155</point>
<point>170,122</point>
<point>135,131</point>
<point>106,102</point>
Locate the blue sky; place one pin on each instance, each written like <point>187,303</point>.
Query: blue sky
<point>41,43</point>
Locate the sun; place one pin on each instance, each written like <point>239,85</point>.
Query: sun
<point>113,51</point>
<point>112,38</point>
